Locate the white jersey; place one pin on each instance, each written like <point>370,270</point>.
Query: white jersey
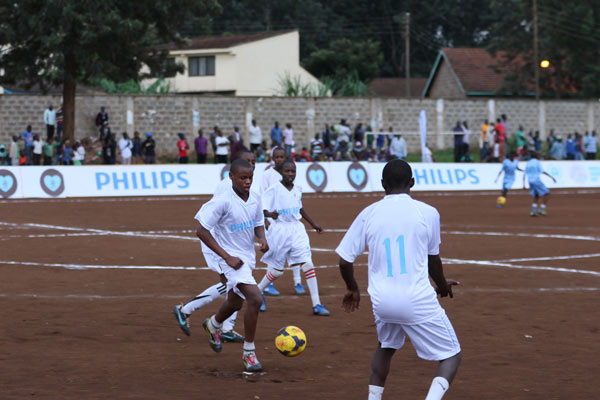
<point>269,178</point>
<point>232,222</point>
<point>400,233</point>
<point>287,203</point>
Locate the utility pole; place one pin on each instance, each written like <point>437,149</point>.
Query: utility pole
<point>407,49</point>
<point>535,51</point>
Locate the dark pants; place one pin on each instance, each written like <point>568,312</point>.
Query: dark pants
<point>590,156</point>
<point>59,127</point>
<point>254,146</point>
<point>47,160</point>
<point>149,159</point>
<point>201,158</point>
<point>49,131</point>
<point>221,159</point>
<point>37,158</point>
<point>183,160</point>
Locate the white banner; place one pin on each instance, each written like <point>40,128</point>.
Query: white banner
<point>194,179</point>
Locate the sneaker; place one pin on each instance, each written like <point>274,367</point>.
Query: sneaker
<point>232,337</point>
<point>182,319</point>
<point>263,306</point>
<point>251,363</point>
<point>499,205</point>
<point>533,214</point>
<point>320,310</point>
<point>299,289</point>
<point>214,339</point>
<point>543,212</point>
<point>271,291</point>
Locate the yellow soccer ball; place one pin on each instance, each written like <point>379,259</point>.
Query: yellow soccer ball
<point>290,341</point>
<point>501,200</point>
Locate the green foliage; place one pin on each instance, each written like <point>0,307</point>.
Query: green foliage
<point>160,86</point>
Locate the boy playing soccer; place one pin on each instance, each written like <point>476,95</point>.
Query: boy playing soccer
<point>183,312</point>
<point>271,177</point>
<point>509,166</point>
<point>235,217</point>
<point>287,235</point>
<point>403,237</point>
<point>533,171</point>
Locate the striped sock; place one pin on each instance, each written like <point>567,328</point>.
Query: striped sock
<point>204,298</point>
<point>271,275</point>
<point>311,281</point>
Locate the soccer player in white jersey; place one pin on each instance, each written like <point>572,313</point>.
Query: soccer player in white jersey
<point>183,312</point>
<point>539,191</point>
<point>403,238</point>
<point>235,218</point>
<point>271,177</point>
<point>509,167</point>
<point>287,235</point>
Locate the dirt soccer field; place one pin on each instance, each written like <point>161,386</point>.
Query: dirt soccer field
<point>87,287</point>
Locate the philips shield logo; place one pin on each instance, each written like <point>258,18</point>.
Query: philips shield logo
<point>316,177</point>
<point>52,182</point>
<point>8,183</point>
<point>357,176</point>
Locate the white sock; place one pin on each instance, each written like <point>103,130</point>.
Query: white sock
<point>534,207</point>
<point>543,207</point>
<point>249,346</point>
<point>271,275</point>
<point>297,276</point>
<point>229,323</point>
<point>213,325</point>
<point>438,388</point>
<point>375,392</point>
<point>204,298</point>
<point>311,281</point>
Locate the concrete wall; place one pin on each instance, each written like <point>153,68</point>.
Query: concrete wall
<point>166,115</point>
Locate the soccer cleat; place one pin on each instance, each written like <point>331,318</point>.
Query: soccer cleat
<point>232,337</point>
<point>263,306</point>
<point>320,310</point>
<point>543,212</point>
<point>251,363</point>
<point>214,339</point>
<point>182,319</point>
<point>299,289</point>
<point>533,214</point>
<point>271,291</point>
<point>499,205</point>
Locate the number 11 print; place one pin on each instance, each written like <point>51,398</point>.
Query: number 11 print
<point>388,253</point>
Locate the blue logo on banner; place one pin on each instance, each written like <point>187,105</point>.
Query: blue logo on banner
<point>357,176</point>
<point>6,183</point>
<point>316,176</point>
<point>454,176</point>
<point>142,180</point>
<point>52,182</point>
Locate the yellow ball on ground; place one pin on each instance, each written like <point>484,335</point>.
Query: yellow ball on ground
<point>290,341</point>
<point>501,200</point>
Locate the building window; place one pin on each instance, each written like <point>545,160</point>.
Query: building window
<point>199,66</point>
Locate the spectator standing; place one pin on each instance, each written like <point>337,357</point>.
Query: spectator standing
<point>501,133</point>
<point>343,140</point>
<point>212,138</point>
<point>380,141</point>
<point>148,148</point>
<point>530,142</point>
<point>288,139</point>
<point>27,136</point>
<point>316,148</point>
<point>48,150</point>
<point>67,152</point>
<point>13,152</point>
<point>59,122</point>
<point>101,122</point>
<point>125,146</point>
<point>557,151</point>
<point>521,142</point>
<point>466,138</point>
<point>326,136</point>
<point>398,147</point>
<point>221,153</point>
<point>458,141</point>
<point>236,142</point>
<point>578,147</point>
<point>359,133</point>
<point>136,151</point>
<point>200,144</point>
<point>485,129</point>
<point>182,147</point>
<point>255,136</point>
<point>570,147</point>
<point>50,121</point>
<point>37,150</point>
<point>276,135</point>
<point>3,155</point>
<point>109,149</point>
<point>591,147</point>
<point>58,153</point>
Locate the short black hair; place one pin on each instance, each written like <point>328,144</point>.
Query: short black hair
<point>239,164</point>
<point>241,152</point>
<point>278,149</point>
<point>397,174</point>
<point>288,161</point>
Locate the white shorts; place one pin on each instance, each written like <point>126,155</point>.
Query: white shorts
<point>287,241</point>
<point>236,276</point>
<point>433,340</point>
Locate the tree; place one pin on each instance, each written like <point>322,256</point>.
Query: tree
<point>70,42</point>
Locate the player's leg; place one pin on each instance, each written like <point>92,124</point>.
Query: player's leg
<point>313,288</point>
<point>214,324</point>
<point>380,367</point>
<point>253,301</point>
<point>298,288</point>
<point>228,334</point>
<point>278,238</point>
<point>544,200</point>
<point>444,375</point>
<point>271,276</point>
<point>183,312</point>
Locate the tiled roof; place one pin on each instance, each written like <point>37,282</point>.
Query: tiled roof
<point>474,68</point>
<point>222,42</point>
<point>396,87</point>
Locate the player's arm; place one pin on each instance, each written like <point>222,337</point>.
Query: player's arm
<point>208,239</point>
<point>436,272</point>
<point>259,232</point>
<point>499,173</point>
<point>270,214</point>
<point>548,175</point>
<point>309,219</point>
<point>351,299</point>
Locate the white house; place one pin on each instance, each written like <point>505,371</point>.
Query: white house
<point>242,65</point>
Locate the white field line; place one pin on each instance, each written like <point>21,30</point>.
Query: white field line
<point>506,265</point>
<point>511,260</point>
<point>457,291</point>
